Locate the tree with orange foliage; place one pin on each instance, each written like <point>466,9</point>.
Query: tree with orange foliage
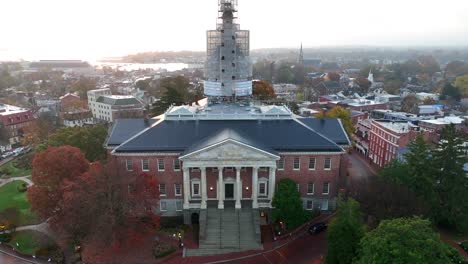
<point>263,90</point>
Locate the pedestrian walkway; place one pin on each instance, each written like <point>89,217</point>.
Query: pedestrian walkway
<point>24,178</point>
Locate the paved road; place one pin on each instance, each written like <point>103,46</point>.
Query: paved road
<point>7,256</point>
<point>360,167</point>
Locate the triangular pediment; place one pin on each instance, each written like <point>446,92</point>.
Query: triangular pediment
<point>229,150</point>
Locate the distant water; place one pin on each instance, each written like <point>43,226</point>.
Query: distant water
<point>171,67</point>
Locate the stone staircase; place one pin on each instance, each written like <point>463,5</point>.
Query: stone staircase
<point>227,231</point>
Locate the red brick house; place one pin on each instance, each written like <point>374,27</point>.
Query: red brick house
<point>14,122</point>
<point>387,137</point>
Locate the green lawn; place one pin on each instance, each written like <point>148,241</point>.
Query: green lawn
<point>28,242</point>
<point>11,198</point>
<point>9,170</point>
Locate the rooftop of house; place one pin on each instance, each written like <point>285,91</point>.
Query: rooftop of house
<point>360,102</point>
<point>446,120</point>
<point>11,109</point>
<point>118,100</point>
<point>396,126</point>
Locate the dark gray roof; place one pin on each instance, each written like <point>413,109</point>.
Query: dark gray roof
<point>329,127</point>
<point>112,100</point>
<point>278,135</point>
<point>223,135</point>
<point>124,129</point>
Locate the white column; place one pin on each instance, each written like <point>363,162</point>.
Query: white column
<point>186,188</point>
<point>272,183</point>
<point>220,188</point>
<point>203,187</point>
<point>254,187</point>
<point>239,188</point>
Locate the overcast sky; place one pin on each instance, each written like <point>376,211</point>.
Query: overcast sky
<point>85,29</point>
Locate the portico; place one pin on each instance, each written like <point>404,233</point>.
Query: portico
<point>232,168</point>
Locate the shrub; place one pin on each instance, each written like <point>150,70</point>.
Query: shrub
<point>23,187</point>
<point>24,162</point>
<point>5,237</point>
<point>5,170</point>
<point>162,250</point>
<point>464,245</point>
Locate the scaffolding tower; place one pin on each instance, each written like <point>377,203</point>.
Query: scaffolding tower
<point>228,69</point>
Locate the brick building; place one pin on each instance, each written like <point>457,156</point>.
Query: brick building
<point>387,137</point>
<point>15,122</point>
<point>71,102</point>
<point>233,161</point>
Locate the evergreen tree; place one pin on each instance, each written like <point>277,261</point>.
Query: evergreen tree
<point>344,233</point>
<point>451,180</point>
<point>288,205</point>
<point>420,169</point>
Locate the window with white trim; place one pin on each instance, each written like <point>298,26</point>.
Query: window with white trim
<point>195,188</point>
<point>281,164</point>
<point>262,189</point>
<point>178,189</point>
<point>312,164</point>
<point>309,204</point>
<point>179,206</point>
<point>163,206</point>
<point>145,165</point>
<point>326,188</point>
<point>176,164</point>
<point>310,188</point>
<point>296,163</point>
<point>129,164</point>
<point>327,165</point>
<point>162,189</point>
<point>298,187</point>
<point>161,166</point>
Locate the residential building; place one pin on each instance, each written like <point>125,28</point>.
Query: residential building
<point>107,107</point>
<point>435,126</point>
<point>14,123</point>
<point>78,118</point>
<point>71,102</point>
<point>387,137</point>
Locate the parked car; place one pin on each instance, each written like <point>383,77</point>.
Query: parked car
<point>317,228</point>
<point>7,155</point>
<point>17,151</point>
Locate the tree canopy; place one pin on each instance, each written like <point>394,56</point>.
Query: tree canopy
<point>175,91</point>
<point>410,104</point>
<point>263,90</point>
<point>287,205</point>
<point>462,84</point>
<point>50,168</point>
<point>89,139</point>
<point>403,240</point>
<point>344,233</point>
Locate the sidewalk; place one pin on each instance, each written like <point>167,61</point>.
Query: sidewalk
<point>8,255</point>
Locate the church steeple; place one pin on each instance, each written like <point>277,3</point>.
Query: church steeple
<point>300,60</point>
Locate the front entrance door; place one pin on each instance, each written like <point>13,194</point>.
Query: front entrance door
<point>229,191</point>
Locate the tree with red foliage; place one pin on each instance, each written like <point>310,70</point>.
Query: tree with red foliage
<point>50,168</point>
